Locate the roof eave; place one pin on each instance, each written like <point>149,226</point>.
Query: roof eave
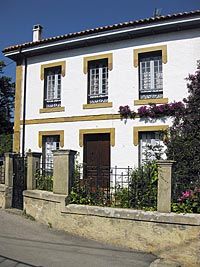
<point>99,38</point>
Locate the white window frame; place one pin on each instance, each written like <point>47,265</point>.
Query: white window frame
<point>155,90</point>
<point>96,84</point>
<point>52,87</point>
<point>49,144</point>
<point>149,141</point>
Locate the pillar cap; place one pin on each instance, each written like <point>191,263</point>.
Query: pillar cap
<point>9,154</point>
<point>64,152</point>
<point>165,162</point>
<point>34,154</point>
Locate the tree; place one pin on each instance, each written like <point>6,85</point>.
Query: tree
<point>183,145</point>
<point>6,110</point>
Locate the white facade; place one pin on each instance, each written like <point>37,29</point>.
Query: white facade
<point>123,88</point>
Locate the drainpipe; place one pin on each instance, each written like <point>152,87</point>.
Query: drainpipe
<point>24,107</point>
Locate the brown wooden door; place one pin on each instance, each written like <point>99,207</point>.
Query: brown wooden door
<point>96,157</point>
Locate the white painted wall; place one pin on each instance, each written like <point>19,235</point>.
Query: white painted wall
<point>182,51</point>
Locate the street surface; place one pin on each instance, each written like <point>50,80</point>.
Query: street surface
<point>27,243</point>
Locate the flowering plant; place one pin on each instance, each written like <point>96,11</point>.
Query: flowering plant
<point>153,111</point>
<point>126,112</point>
<point>188,202</point>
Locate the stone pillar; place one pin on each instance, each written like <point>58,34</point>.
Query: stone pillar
<point>63,167</point>
<point>33,164</point>
<point>7,195</point>
<point>8,165</point>
<point>164,185</point>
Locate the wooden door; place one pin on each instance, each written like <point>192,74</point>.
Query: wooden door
<point>96,157</point>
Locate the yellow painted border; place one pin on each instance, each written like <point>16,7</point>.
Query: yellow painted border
<point>111,131</point>
<point>18,104</point>
<point>47,133</point>
<point>98,105</point>
<point>51,65</point>
<point>151,101</point>
<point>97,57</point>
<point>54,109</point>
<point>162,48</point>
<point>137,130</point>
<point>74,119</point>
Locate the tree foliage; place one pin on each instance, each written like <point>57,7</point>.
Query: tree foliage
<point>183,145</point>
<point>6,110</point>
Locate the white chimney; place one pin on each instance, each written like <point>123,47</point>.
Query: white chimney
<point>37,32</point>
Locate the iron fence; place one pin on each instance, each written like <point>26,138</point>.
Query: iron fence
<point>2,174</point>
<point>116,187</point>
<point>44,176</point>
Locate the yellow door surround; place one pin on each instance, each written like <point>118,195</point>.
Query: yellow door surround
<point>111,131</point>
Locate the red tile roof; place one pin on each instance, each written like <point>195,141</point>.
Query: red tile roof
<point>103,29</point>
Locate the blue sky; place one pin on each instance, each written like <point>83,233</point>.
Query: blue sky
<point>64,16</point>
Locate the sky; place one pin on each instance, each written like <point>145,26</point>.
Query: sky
<point>65,16</point>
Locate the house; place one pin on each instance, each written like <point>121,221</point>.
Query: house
<point>69,88</point>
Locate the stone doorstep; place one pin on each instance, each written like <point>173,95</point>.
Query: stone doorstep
<point>164,263</point>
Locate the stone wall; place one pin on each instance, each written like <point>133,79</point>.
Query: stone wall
<point>167,235</point>
<point>5,196</point>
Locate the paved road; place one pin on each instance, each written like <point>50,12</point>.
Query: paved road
<point>27,243</point>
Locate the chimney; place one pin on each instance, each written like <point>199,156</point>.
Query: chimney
<point>37,32</point>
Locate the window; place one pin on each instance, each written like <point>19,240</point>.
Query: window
<point>151,146</point>
<point>52,87</point>
<point>98,81</point>
<point>150,75</point>
<point>49,143</point>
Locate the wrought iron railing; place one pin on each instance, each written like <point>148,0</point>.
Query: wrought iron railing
<point>117,187</point>
<point>50,103</point>
<point>100,98</point>
<point>44,176</point>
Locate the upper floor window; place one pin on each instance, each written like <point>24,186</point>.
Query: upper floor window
<point>150,75</point>
<point>98,81</point>
<point>52,87</point>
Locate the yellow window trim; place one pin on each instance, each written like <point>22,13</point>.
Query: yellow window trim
<point>97,57</point>
<point>98,105</point>
<point>111,131</point>
<point>151,101</point>
<point>51,65</point>
<point>53,109</point>
<point>137,130</point>
<point>162,48</point>
<point>47,133</point>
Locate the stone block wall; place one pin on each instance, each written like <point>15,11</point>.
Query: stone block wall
<point>167,235</point>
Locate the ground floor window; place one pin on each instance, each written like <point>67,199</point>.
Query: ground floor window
<point>151,146</point>
<point>49,143</point>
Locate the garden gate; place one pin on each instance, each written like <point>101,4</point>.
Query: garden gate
<point>19,180</point>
